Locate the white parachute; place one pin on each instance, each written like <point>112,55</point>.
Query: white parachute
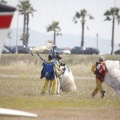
<point>112,77</point>
<point>67,82</point>
<point>43,48</point>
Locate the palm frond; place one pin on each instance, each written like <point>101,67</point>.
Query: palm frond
<point>91,17</point>
<point>83,12</point>
<point>114,11</point>
<point>77,15</point>
<point>107,18</point>
<point>107,13</point>
<point>118,18</point>
<point>75,21</point>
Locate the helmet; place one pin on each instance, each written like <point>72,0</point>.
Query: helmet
<point>101,59</point>
<point>50,57</point>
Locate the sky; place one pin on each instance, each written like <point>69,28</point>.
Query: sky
<point>63,11</point>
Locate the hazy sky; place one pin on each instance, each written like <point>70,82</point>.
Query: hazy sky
<point>64,10</point>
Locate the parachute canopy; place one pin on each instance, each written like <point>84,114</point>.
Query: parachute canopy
<point>112,77</point>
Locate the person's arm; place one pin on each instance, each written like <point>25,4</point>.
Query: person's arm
<point>56,69</point>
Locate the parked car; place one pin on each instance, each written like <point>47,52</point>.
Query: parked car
<point>21,49</point>
<point>91,50</point>
<point>66,51</point>
<point>5,50</point>
<point>83,50</point>
<point>117,51</point>
<point>77,50</point>
<point>63,51</point>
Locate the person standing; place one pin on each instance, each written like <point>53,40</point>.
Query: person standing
<point>50,72</point>
<point>99,69</point>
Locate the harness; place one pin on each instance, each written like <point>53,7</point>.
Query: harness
<point>100,71</point>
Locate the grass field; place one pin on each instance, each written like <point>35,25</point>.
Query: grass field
<point>20,88</point>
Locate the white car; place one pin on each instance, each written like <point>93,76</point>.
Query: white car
<point>66,51</point>
<point>63,51</point>
<point>5,50</point>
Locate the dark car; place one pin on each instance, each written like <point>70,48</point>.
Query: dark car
<point>83,50</point>
<point>117,51</point>
<point>77,50</point>
<point>21,49</point>
<point>91,50</point>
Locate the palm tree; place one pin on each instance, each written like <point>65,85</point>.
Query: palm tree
<point>82,16</point>
<point>55,28</point>
<point>25,9</point>
<point>112,14</point>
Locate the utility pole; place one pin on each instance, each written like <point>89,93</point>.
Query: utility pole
<point>97,40</point>
<point>17,30</point>
<point>10,33</point>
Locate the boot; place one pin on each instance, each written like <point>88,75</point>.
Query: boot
<point>102,93</point>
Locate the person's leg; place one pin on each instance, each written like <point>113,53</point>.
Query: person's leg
<point>54,87</point>
<point>58,86</point>
<point>96,89</point>
<point>50,86</point>
<point>45,87</point>
<point>95,92</point>
<point>99,85</point>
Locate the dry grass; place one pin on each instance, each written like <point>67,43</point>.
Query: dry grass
<point>20,88</point>
<point>24,94</point>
